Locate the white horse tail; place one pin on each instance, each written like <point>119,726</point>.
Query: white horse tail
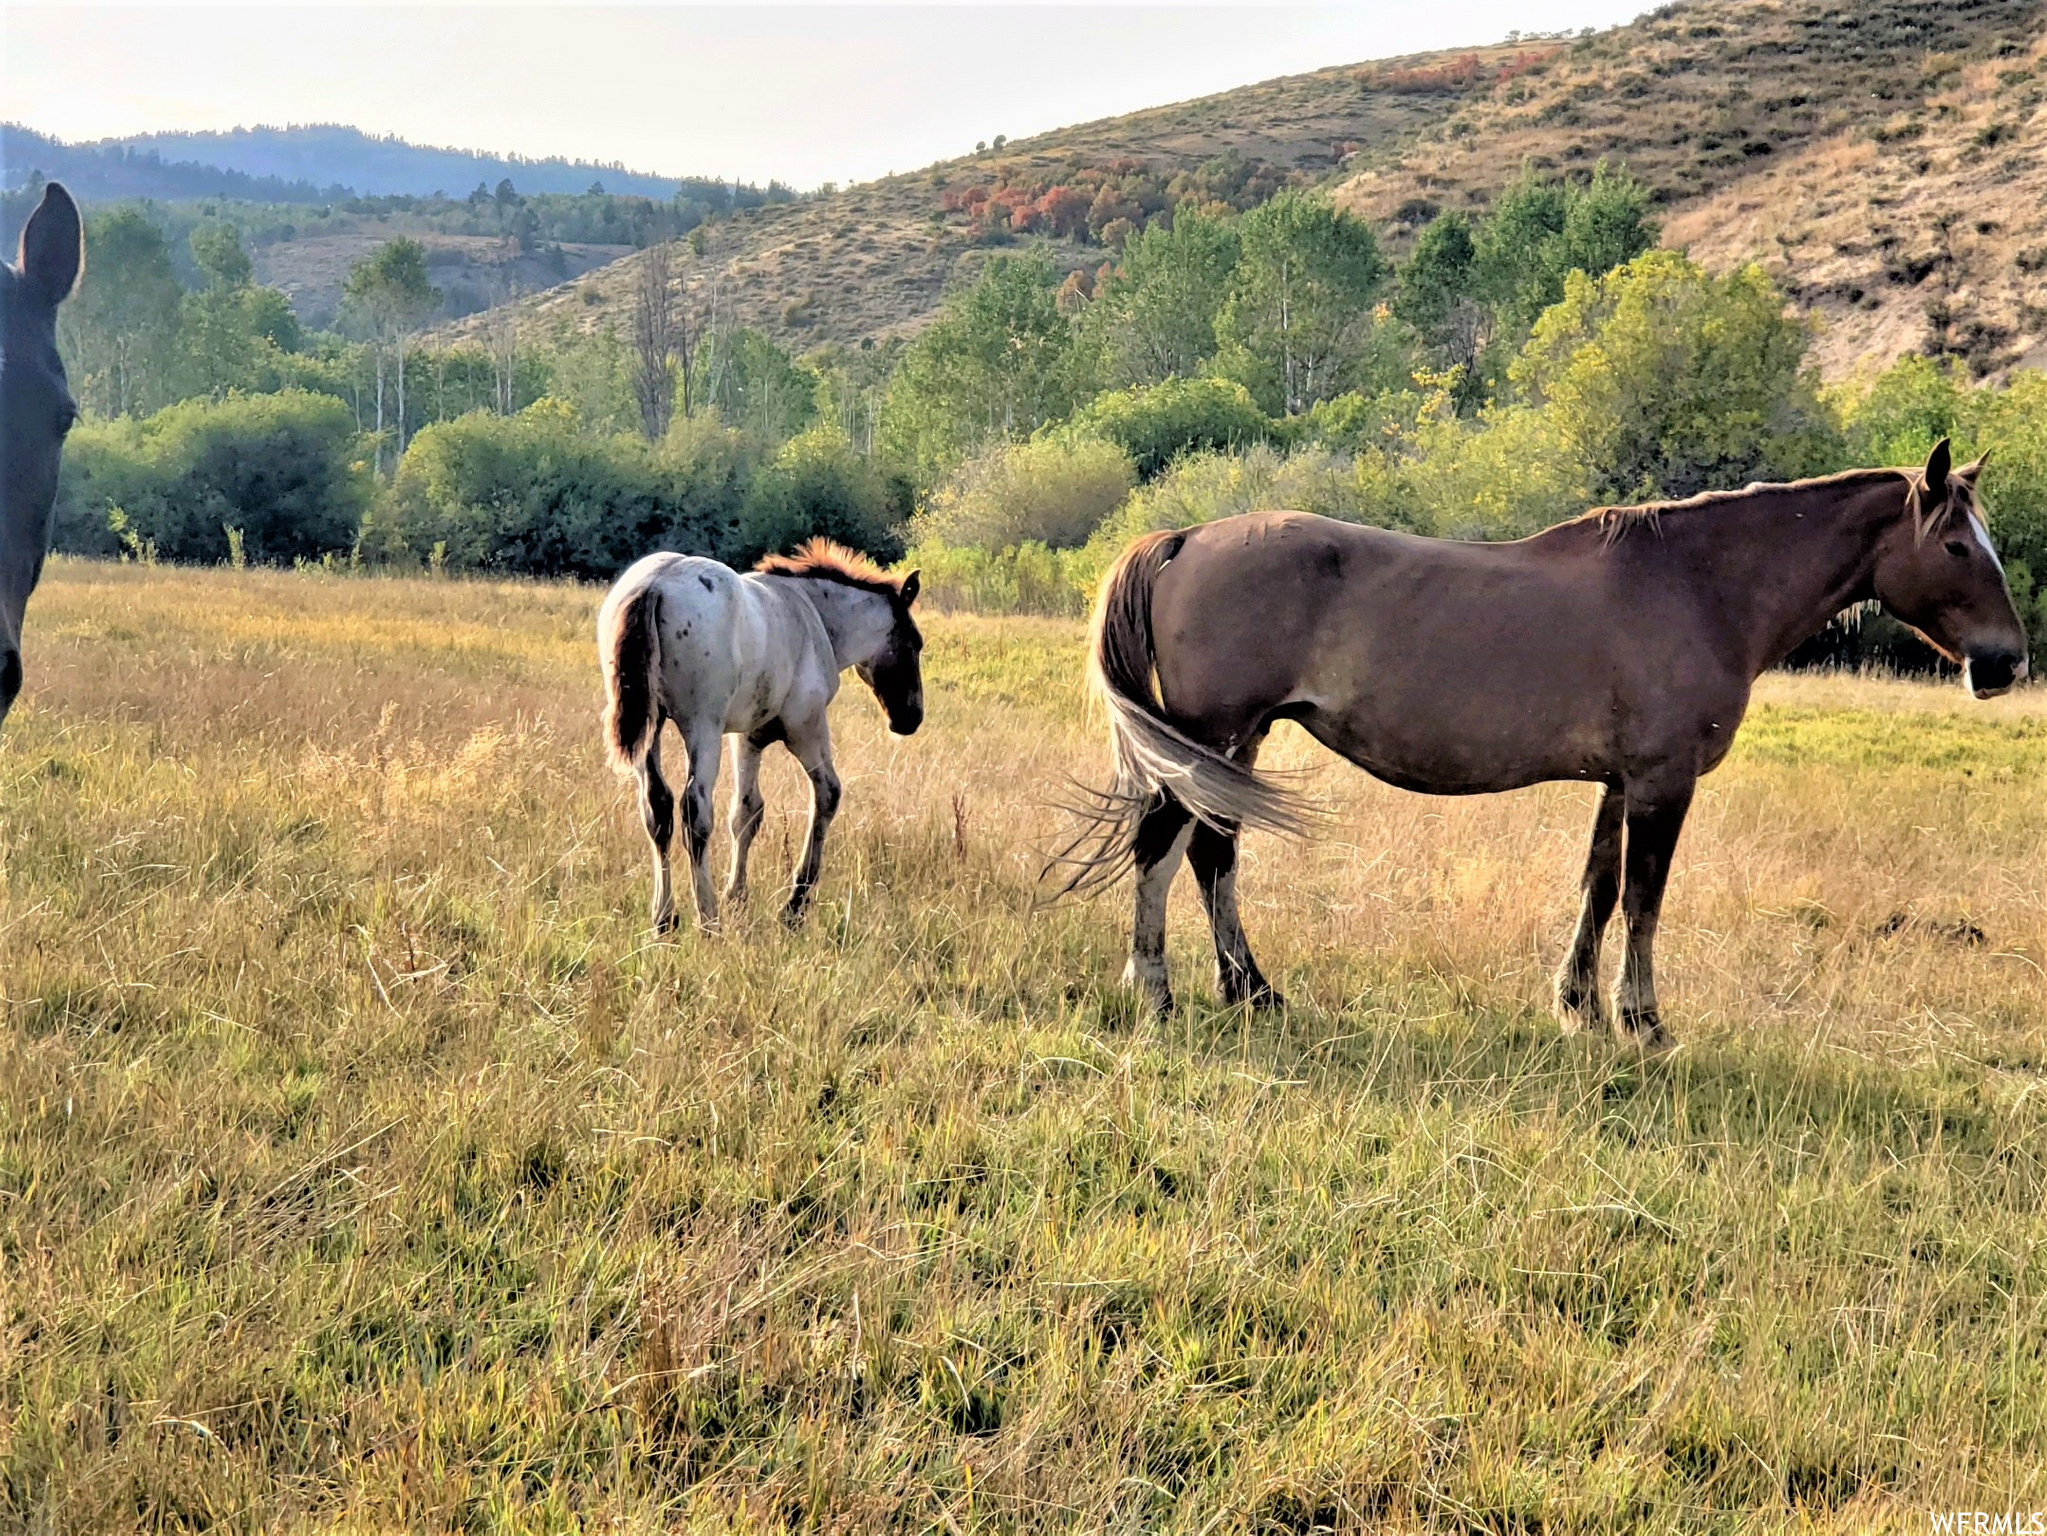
<point>629,647</point>
<point>1151,756</point>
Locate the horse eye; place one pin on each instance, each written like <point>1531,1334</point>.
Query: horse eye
<point>1957,548</point>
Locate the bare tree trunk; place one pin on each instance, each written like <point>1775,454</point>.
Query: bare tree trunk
<point>687,335</point>
<point>401,397</point>
<point>503,338</point>
<point>380,410</point>
<point>714,338</point>
<point>654,344</point>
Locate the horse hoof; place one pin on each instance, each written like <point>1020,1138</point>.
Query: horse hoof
<point>1267,999</point>
<point>1645,1029</point>
<point>1579,1012</point>
<point>792,915</point>
<point>1155,996</point>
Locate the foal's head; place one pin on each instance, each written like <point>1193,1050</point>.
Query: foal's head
<point>1939,574</point>
<point>896,670</point>
<point>881,640</point>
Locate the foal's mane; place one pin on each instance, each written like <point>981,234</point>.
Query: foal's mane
<point>825,560</point>
<point>1616,523</point>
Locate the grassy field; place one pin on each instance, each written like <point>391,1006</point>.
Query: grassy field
<point>365,1166</point>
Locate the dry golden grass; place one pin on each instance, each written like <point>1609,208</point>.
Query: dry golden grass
<point>364,1165</point>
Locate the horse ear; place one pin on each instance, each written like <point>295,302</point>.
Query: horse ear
<point>53,246</point>
<point>1968,472</point>
<point>908,590</point>
<point>1937,470</point>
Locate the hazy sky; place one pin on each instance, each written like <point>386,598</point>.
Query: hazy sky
<point>804,93</point>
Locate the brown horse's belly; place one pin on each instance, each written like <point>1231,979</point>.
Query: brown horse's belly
<point>1474,747</point>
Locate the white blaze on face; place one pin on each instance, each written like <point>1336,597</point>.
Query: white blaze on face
<point>1983,537</point>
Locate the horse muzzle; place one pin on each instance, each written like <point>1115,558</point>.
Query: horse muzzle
<point>904,722</point>
<point>1991,672</point>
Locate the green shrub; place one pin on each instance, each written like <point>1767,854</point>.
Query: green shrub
<point>1504,475</point>
<point>1668,380</point>
<point>286,470</point>
<point>1354,422</point>
<point>523,494</point>
<point>818,484</point>
<point>1207,486</point>
<point>1158,423</point>
<point>1025,578</point>
<point>1053,491</point>
<point>1897,416</point>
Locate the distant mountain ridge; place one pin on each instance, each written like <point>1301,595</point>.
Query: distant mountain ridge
<point>307,163</point>
<point>107,172</point>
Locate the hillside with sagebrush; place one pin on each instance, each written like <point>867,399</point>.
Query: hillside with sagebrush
<point>874,260</point>
<point>1909,124</point>
<point>1927,231</point>
<point>1883,160</point>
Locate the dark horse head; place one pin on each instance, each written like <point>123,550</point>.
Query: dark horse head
<point>36,410</point>
<point>896,671</point>
<point>1938,573</point>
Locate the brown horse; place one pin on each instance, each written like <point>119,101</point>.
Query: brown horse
<point>36,410</point>
<point>1618,649</point>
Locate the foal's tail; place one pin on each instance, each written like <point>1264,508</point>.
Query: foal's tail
<point>629,647</point>
<point>1151,756</point>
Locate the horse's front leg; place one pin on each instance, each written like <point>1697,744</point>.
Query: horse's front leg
<point>705,743</point>
<point>1578,1003</point>
<point>1656,811</point>
<point>812,746</point>
<point>747,810</point>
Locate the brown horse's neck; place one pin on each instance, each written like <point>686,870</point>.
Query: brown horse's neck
<point>1780,561</point>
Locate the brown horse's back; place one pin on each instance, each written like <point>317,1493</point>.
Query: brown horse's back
<point>1439,666</point>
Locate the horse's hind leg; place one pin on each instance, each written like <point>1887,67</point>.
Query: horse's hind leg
<point>1157,848</point>
<point>1213,855</point>
<point>747,810</point>
<point>705,743</point>
<point>657,814</point>
<point>1656,815</point>
<point>1578,1002</point>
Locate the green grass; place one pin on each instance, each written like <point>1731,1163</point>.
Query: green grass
<point>364,1165</point>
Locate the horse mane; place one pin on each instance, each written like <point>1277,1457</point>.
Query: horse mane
<point>1616,523</point>
<point>826,560</point>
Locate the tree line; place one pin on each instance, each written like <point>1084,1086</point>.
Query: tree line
<point>1511,366</point>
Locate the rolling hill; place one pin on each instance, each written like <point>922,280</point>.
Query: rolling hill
<point>1934,220</point>
<point>1884,160</point>
<point>1910,123</point>
<point>876,259</point>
